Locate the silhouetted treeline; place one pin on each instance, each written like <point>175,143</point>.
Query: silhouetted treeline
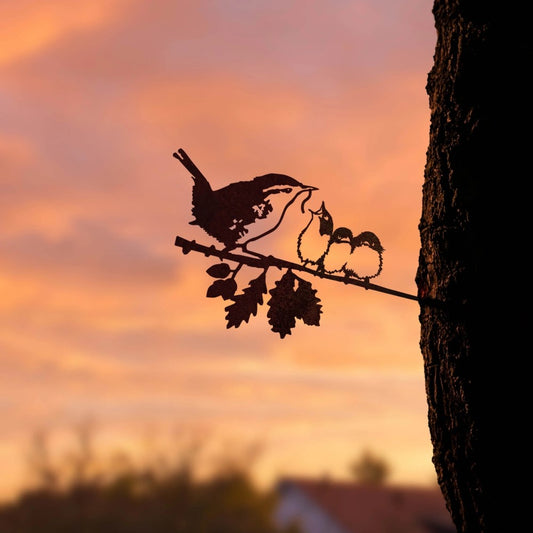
<point>80,495</point>
<point>141,503</point>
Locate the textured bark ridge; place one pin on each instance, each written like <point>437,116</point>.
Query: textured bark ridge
<point>475,93</point>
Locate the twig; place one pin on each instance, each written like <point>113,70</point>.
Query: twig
<point>271,261</point>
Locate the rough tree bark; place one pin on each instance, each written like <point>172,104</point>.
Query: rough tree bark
<point>479,96</point>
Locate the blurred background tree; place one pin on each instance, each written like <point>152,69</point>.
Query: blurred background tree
<point>80,494</point>
<point>369,469</point>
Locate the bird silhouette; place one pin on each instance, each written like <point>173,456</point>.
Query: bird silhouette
<point>338,250</point>
<point>321,245</point>
<point>232,214</point>
<point>366,257</point>
<point>313,240</point>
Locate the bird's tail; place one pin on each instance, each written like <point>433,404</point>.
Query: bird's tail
<point>201,191</point>
<point>186,161</point>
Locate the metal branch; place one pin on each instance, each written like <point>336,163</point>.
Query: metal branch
<point>271,261</point>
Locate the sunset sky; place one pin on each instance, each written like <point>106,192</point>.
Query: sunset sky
<point>103,318</point>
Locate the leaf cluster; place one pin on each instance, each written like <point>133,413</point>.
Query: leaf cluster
<point>292,298</point>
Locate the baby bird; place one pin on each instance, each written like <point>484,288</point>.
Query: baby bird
<point>314,239</point>
<point>356,256</point>
<point>366,257</point>
<point>338,251</point>
<point>232,213</point>
<point>321,245</point>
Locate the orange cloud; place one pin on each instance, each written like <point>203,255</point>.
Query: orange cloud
<point>28,26</point>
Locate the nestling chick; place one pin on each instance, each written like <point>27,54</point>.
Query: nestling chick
<point>314,239</point>
<point>339,250</point>
<point>359,256</point>
<point>366,256</point>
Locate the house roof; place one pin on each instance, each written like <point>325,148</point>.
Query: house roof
<point>376,509</point>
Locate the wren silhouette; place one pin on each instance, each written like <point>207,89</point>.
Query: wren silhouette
<point>231,214</point>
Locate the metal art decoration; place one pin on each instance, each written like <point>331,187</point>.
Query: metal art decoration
<point>246,211</point>
<point>332,256</point>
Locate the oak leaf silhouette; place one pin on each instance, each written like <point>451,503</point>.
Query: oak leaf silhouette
<point>306,303</point>
<point>222,287</point>
<point>220,270</point>
<point>287,304</point>
<point>245,305</point>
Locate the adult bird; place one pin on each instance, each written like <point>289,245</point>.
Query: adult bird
<point>244,211</point>
<point>313,240</point>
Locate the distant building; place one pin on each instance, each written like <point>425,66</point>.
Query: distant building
<point>334,507</point>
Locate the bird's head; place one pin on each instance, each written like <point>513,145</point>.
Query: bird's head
<point>342,235</point>
<point>325,218</point>
<point>283,190</point>
<point>367,238</point>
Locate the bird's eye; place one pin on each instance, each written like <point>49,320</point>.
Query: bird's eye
<point>287,190</point>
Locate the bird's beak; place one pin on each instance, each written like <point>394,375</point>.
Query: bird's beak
<point>309,189</point>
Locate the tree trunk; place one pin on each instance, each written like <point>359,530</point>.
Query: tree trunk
<point>479,93</point>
